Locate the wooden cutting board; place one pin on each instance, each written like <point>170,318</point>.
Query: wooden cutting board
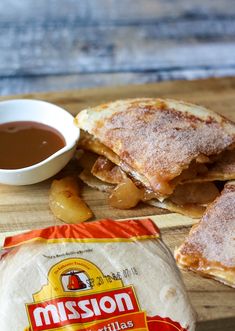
<point>26,207</point>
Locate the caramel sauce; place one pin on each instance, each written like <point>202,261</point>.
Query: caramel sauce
<point>23,144</point>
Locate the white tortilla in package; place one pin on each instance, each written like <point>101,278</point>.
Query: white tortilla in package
<point>99,276</point>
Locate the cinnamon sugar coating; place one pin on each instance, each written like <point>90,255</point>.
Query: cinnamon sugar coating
<point>214,238</point>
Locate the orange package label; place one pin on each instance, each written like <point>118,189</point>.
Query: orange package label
<point>134,321</point>
<point>64,311</point>
<point>158,323</point>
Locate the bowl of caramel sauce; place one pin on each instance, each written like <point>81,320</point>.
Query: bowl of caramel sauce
<point>37,139</point>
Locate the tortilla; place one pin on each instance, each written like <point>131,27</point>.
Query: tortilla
<point>222,169</point>
<point>107,171</point>
<point>94,182</point>
<point>191,210</point>
<point>209,248</point>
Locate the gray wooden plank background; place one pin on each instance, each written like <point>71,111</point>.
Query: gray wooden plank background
<point>60,44</point>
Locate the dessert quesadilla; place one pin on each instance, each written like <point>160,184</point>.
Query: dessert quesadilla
<point>210,246</point>
<point>159,145</point>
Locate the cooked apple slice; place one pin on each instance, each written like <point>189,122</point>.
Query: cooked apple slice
<point>65,202</point>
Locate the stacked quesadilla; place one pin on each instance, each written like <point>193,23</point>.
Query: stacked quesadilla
<point>167,153</point>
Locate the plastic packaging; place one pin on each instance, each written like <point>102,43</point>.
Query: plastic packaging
<point>100,276</point>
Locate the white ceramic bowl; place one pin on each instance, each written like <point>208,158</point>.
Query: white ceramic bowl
<point>49,114</point>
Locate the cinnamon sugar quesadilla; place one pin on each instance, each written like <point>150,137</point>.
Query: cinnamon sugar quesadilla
<point>210,247</point>
<point>158,144</point>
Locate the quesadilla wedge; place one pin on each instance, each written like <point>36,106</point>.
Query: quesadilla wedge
<point>209,248</point>
<point>156,142</point>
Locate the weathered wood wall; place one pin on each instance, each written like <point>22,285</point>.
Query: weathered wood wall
<point>60,44</point>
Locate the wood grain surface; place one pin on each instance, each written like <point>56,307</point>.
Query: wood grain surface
<point>64,44</point>
<point>26,207</point>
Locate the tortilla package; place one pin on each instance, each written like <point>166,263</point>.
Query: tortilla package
<point>100,276</point>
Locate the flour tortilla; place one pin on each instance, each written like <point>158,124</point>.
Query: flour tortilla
<point>222,169</point>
